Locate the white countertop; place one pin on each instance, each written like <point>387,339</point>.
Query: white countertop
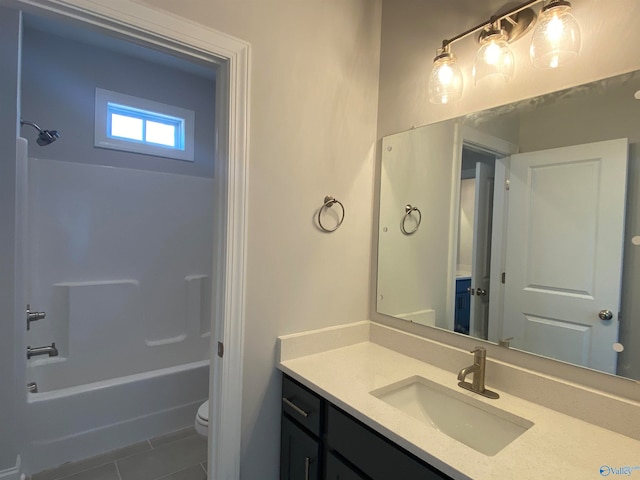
<point>557,446</point>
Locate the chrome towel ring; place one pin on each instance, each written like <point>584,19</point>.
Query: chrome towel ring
<point>408,210</point>
<point>329,202</point>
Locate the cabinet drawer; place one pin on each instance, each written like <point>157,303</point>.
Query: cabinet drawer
<point>301,404</point>
<point>374,455</point>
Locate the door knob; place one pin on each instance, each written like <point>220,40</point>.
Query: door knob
<point>471,291</point>
<point>481,292</point>
<point>605,315</point>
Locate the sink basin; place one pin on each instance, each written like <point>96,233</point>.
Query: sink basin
<point>483,427</point>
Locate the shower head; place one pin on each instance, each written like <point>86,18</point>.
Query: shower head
<point>45,137</point>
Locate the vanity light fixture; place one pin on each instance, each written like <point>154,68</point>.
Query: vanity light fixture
<point>494,58</point>
<point>445,83</point>
<point>556,40</point>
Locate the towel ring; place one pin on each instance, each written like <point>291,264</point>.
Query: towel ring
<point>408,210</point>
<point>329,202</point>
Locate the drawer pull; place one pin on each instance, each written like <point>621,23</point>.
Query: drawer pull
<point>307,464</point>
<point>289,403</point>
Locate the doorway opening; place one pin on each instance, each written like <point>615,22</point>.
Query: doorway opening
<point>142,27</point>
<point>473,264</point>
<point>125,235</point>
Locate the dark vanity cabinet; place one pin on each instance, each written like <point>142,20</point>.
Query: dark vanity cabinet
<point>337,470</point>
<point>462,312</point>
<point>299,454</point>
<point>320,441</point>
<point>300,437</point>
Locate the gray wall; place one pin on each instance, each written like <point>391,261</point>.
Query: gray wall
<point>314,90</point>
<point>58,92</point>
<point>12,386</point>
<point>314,87</point>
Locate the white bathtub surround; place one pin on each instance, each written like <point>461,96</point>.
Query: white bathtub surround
<point>78,422</point>
<point>559,445</point>
<point>120,260</point>
<point>13,473</point>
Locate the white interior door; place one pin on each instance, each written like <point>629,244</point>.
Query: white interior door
<point>564,252</point>
<point>481,257</point>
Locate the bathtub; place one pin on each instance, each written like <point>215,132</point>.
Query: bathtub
<point>81,421</point>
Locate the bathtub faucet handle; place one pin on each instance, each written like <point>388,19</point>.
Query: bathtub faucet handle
<point>33,316</point>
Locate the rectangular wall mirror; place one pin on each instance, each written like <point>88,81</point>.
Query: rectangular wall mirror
<point>520,225</point>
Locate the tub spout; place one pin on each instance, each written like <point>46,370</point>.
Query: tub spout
<point>52,351</point>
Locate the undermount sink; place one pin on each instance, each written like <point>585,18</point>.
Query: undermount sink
<point>481,426</point>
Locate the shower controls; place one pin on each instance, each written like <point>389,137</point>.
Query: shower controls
<point>33,316</point>
<point>52,351</point>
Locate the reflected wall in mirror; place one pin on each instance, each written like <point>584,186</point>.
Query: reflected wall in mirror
<point>529,214</point>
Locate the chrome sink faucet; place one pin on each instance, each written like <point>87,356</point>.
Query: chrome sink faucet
<point>478,371</point>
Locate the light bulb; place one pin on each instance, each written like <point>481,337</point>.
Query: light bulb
<point>556,39</point>
<point>445,74</point>
<point>492,54</point>
<point>494,58</point>
<point>445,81</point>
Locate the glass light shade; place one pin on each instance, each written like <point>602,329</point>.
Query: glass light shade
<point>445,81</point>
<point>556,39</point>
<point>494,59</point>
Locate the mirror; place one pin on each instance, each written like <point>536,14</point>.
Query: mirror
<point>520,225</point>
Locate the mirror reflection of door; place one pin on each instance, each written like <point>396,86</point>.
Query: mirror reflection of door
<point>564,252</point>
<point>473,266</point>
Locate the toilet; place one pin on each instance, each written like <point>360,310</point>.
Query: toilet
<point>202,419</point>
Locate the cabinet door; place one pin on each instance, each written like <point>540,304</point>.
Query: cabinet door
<point>299,453</point>
<point>336,470</point>
<point>463,306</point>
<point>462,313</point>
<point>373,454</point>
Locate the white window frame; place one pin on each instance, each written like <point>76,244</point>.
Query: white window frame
<point>103,140</point>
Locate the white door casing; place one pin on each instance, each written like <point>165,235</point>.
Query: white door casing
<point>134,20</point>
<point>564,252</point>
<point>481,257</point>
<point>483,142</point>
<point>498,249</point>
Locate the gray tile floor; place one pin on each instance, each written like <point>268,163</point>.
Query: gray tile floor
<point>179,455</point>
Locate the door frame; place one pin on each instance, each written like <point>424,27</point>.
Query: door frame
<point>478,326</point>
<point>498,246</point>
<point>132,20</point>
<point>470,137</point>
